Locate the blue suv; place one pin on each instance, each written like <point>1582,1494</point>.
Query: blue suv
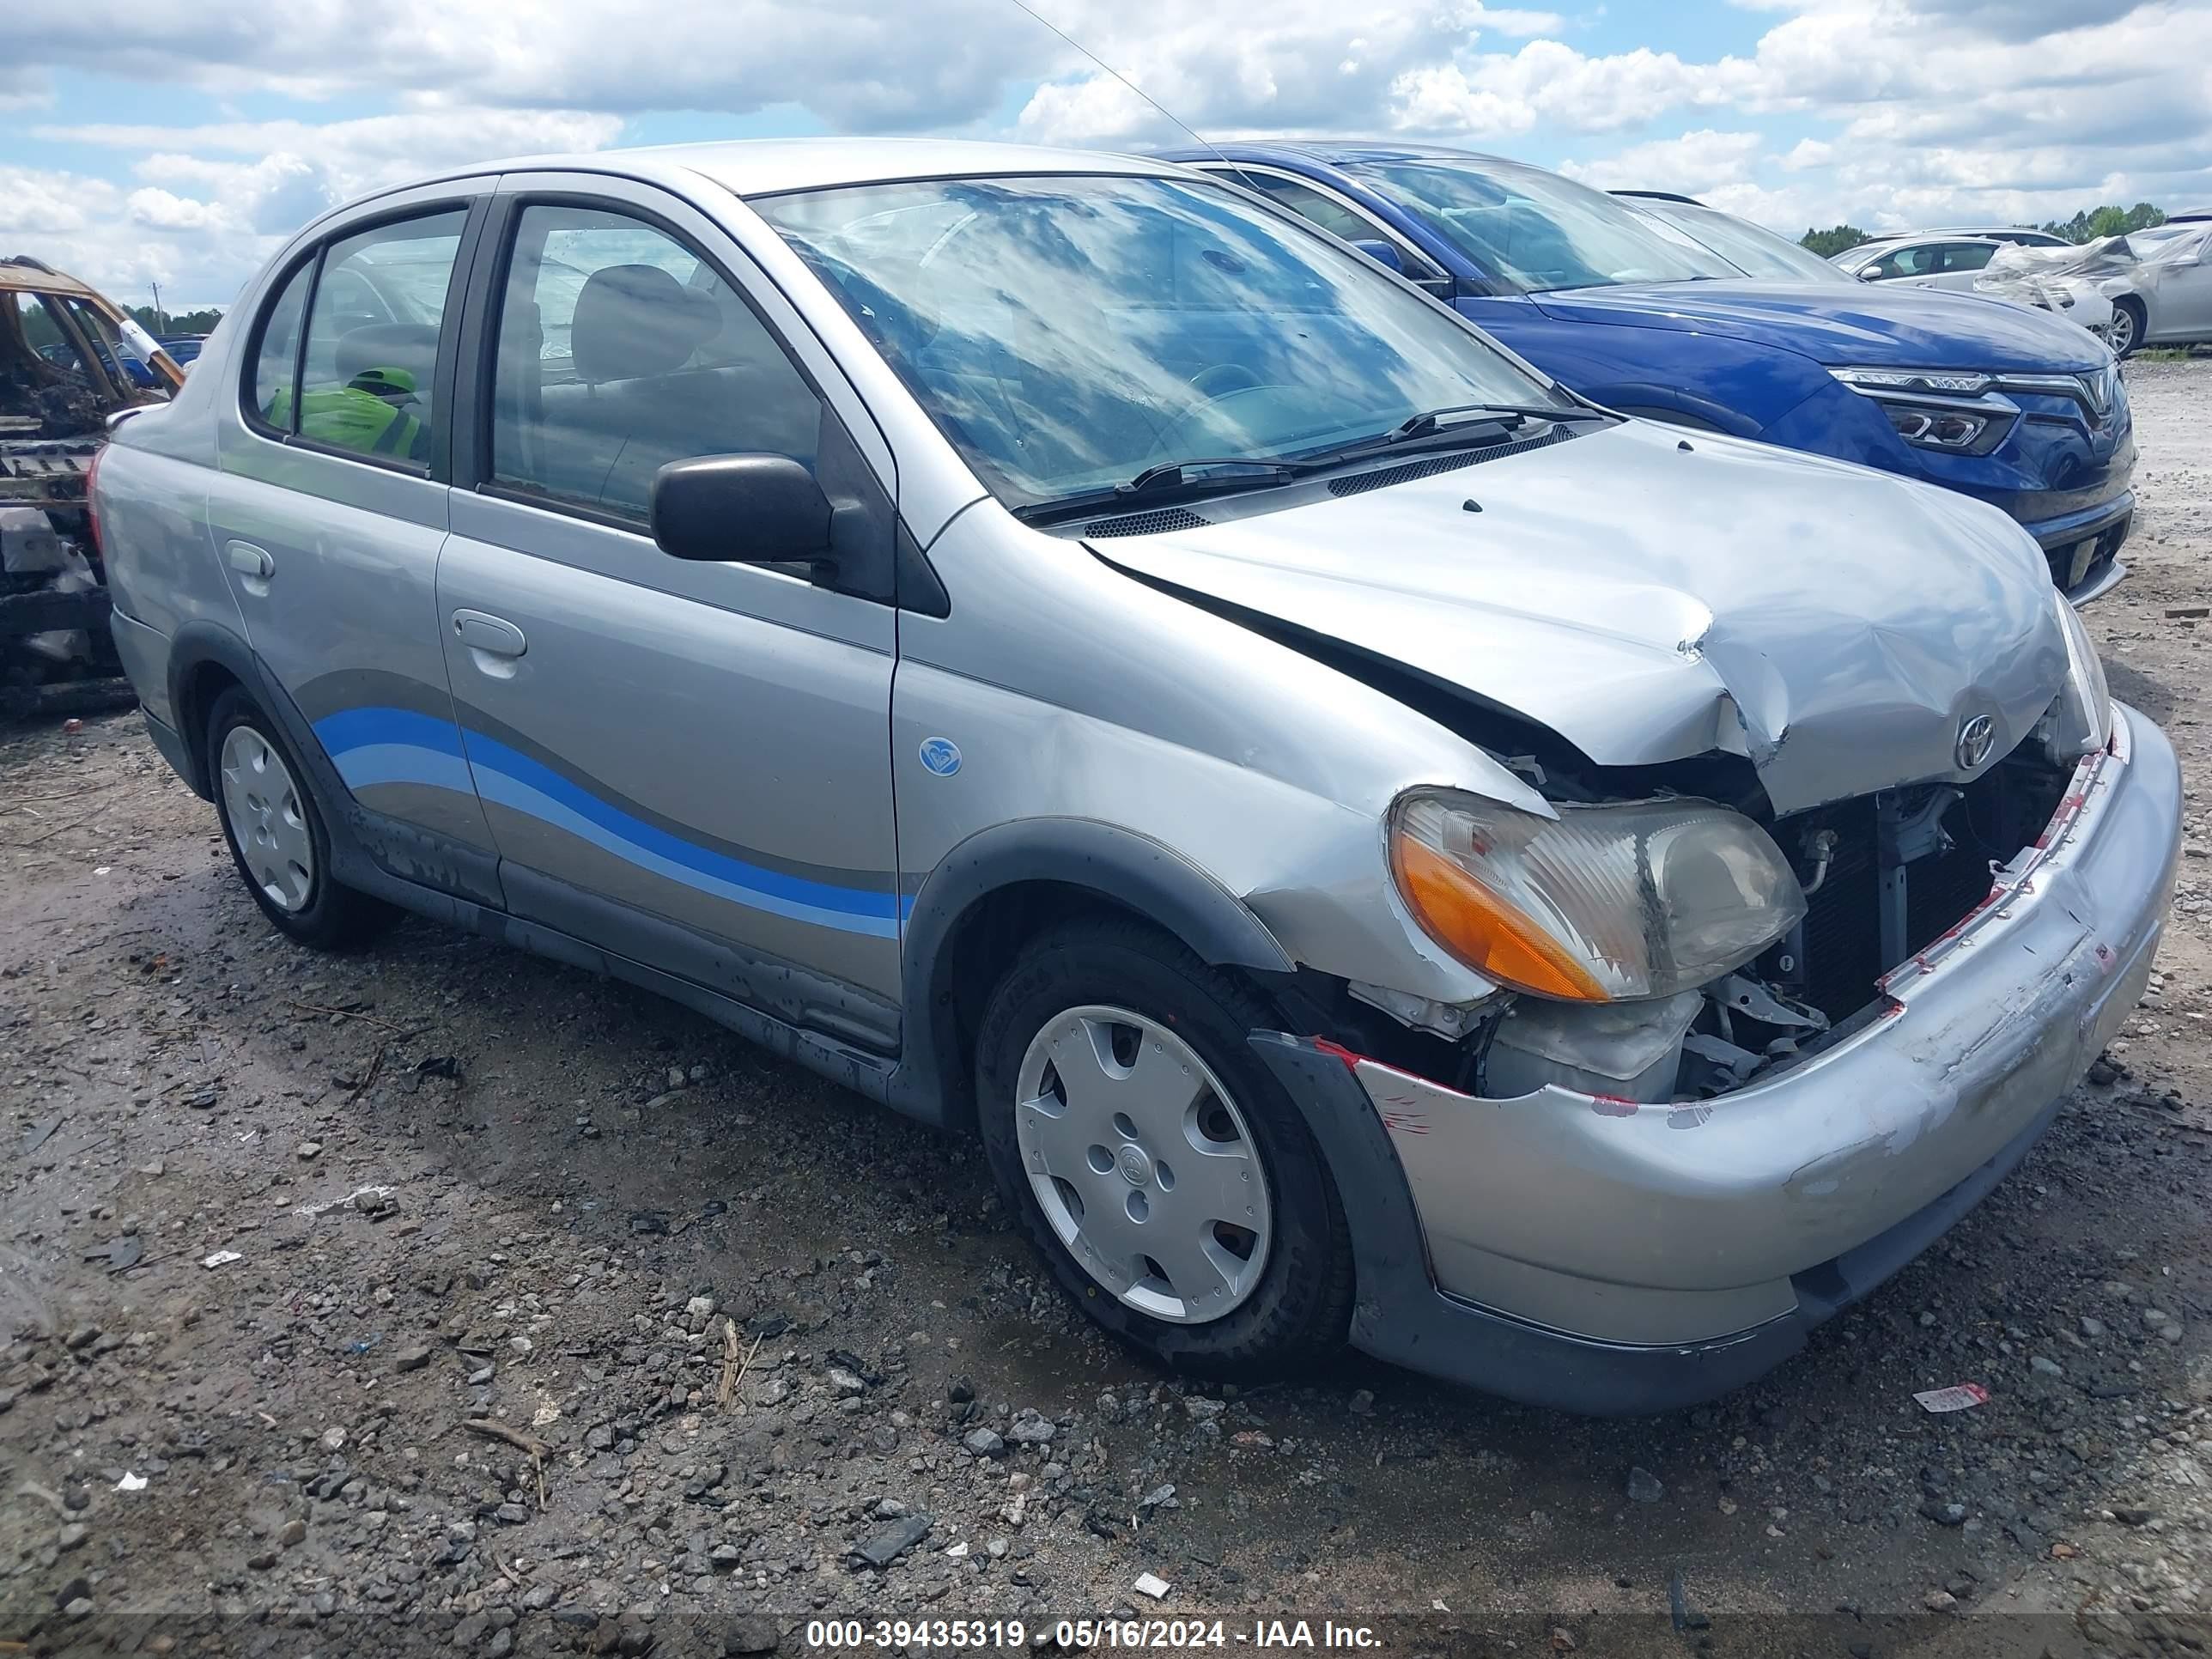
<point>2004,403</point>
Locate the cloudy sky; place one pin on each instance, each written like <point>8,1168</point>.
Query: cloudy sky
<point>142,143</point>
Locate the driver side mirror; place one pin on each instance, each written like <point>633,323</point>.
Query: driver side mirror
<point>740,509</point>
<point>1381,252</point>
<point>1870,273</point>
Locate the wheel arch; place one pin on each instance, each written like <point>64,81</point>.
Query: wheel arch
<point>1004,884</point>
<point>205,659</point>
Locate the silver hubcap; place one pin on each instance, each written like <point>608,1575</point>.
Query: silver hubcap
<point>267,818</point>
<point>2123,329</point>
<point>1142,1164</point>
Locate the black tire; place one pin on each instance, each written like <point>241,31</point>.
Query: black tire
<point>2133,310</point>
<point>1297,1314</point>
<point>334,917</point>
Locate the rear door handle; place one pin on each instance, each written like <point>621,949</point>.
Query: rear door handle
<point>248,560</point>
<point>492,634</point>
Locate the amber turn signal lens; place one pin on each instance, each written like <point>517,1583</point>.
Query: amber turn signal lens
<point>1482,930</point>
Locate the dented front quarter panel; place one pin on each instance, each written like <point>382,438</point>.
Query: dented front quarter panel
<point>1662,1223</point>
<point>1649,597</point>
<point>1072,692</point>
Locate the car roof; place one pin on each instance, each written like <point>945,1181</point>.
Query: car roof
<point>1924,236</point>
<point>1662,196</point>
<point>764,167</point>
<point>1328,152</point>
<point>23,274</point>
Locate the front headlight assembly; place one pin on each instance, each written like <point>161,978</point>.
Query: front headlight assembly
<point>1599,904</point>
<point>1961,413</point>
<point>2081,721</point>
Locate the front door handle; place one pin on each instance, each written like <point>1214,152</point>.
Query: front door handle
<point>249,561</point>
<point>494,635</point>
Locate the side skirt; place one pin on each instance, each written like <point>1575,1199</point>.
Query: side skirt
<point>850,1067</point>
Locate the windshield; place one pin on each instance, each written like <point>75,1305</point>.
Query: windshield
<point>1753,249</point>
<point>1065,333</point>
<point>1535,230</point>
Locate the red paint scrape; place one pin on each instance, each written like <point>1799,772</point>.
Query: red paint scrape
<point>1338,1051</point>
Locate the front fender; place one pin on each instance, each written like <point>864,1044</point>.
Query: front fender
<point>1116,865</point>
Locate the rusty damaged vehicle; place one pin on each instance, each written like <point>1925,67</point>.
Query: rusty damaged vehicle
<point>70,360</point>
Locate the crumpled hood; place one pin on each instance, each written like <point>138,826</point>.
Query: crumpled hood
<point>1650,598</point>
<point>1866,324</point>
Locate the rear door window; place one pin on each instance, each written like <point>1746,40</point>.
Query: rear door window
<point>369,369</point>
<point>277,358</point>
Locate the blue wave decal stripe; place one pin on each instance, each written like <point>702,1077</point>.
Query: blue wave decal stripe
<point>515,780</point>
<point>369,763</point>
<point>395,746</point>
<point>361,728</point>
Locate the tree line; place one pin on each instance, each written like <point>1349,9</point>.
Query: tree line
<point>2087,226</point>
<point>171,324</point>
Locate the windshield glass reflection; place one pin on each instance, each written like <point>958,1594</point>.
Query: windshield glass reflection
<point>1065,333</point>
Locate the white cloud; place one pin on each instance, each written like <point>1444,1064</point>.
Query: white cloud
<point>1881,111</point>
<point>1696,164</point>
<point>214,202</point>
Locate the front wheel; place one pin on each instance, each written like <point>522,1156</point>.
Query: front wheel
<point>2127,330</point>
<point>1154,1159</point>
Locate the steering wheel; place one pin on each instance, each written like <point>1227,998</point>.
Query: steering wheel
<point>1174,444</point>
<point>1219,380</point>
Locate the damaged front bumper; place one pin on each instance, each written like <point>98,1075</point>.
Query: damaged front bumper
<point>1574,1250</point>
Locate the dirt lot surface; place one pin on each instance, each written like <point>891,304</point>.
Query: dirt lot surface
<point>279,1232</point>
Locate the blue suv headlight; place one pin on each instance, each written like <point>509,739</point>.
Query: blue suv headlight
<point>1963,414</point>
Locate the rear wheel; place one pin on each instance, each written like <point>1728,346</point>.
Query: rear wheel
<point>276,832</point>
<point>2127,331</point>
<point>1153,1157</point>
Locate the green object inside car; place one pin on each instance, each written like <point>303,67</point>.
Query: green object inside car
<point>372,414</point>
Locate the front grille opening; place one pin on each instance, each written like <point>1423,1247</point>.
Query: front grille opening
<point>1855,928</point>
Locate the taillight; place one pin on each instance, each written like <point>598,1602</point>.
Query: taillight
<point>92,502</point>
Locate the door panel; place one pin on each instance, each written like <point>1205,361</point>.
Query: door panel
<point>2184,310</point>
<point>685,763</point>
<point>331,545</point>
<point>725,773</point>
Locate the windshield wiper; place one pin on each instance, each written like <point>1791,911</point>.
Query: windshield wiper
<point>1486,423</point>
<point>1179,480</point>
<point>1208,471</point>
<point>1509,416</point>
<point>1223,475</point>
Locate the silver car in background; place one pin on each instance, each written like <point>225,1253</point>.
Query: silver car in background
<point>1378,849</point>
<point>1990,267</point>
<point>2158,282</point>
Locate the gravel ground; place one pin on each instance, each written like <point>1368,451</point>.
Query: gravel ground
<point>441,1296</point>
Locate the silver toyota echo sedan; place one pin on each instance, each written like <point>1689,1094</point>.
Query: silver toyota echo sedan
<point>1378,848</point>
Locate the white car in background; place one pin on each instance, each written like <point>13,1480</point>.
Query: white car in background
<point>2163,295</point>
<point>2016,235</point>
<point>1959,263</point>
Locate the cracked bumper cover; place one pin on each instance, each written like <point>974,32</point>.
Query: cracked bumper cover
<point>1601,1257</point>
